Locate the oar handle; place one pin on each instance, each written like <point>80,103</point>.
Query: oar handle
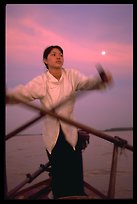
<point>102,73</point>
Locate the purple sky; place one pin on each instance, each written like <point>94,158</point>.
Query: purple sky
<point>83,31</point>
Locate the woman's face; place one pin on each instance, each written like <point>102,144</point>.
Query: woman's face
<point>55,59</point>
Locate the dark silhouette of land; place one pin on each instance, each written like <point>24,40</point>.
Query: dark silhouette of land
<point>105,130</point>
<point>118,129</point>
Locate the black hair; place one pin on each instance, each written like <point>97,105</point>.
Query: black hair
<point>48,50</point>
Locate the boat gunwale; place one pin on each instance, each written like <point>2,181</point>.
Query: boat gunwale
<point>28,194</point>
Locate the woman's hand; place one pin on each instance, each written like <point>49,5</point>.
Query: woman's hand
<point>106,77</point>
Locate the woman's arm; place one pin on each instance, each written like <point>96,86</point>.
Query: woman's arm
<point>34,89</point>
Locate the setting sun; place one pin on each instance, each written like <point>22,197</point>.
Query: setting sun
<point>103,52</point>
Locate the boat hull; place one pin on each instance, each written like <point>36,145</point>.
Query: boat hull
<point>43,191</point>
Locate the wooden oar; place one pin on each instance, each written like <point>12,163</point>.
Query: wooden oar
<point>32,121</point>
<point>120,142</point>
<point>29,179</point>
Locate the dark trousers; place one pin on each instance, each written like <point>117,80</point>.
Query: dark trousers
<point>66,169</point>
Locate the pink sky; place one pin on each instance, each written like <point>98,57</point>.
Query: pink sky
<point>83,31</point>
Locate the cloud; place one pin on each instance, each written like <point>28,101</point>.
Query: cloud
<point>28,40</point>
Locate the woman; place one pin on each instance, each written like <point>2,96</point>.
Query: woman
<point>60,139</point>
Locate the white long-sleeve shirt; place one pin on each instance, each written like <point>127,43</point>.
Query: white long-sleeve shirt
<point>51,91</point>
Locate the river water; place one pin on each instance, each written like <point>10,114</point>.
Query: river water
<point>24,154</point>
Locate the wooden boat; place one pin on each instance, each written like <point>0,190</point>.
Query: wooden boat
<point>42,191</point>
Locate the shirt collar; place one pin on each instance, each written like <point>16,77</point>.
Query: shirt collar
<point>53,79</point>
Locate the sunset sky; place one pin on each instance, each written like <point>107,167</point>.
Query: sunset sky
<point>89,34</point>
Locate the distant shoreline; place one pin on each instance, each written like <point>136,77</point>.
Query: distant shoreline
<point>105,130</point>
<point>118,129</point>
